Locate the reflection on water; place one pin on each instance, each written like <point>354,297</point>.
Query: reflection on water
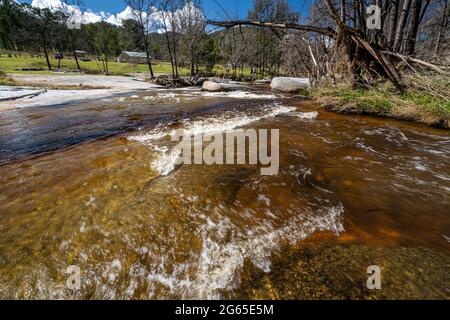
<point>142,231</point>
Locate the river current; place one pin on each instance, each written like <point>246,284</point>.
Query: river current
<point>95,185</point>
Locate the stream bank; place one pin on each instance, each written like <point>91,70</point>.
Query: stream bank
<point>428,105</point>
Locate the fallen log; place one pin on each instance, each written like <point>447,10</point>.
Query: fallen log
<point>293,26</point>
<point>391,72</point>
<point>415,60</point>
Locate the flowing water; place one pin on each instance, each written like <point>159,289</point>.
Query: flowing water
<point>95,185</point>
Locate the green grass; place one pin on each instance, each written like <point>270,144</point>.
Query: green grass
<point>10,65</point>
<point>428,104</point>
<point>432,103</point>
<point>366,101</point>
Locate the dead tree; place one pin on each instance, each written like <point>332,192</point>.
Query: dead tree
<point>367,53</point>
<point>142,12</point>
<point>351,42</point>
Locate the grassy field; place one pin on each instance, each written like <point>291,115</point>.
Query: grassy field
<point>428,103</point>
<point>11,65</point>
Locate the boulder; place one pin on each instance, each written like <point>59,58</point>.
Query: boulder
<point>286,84</point>
<point>213,86</point>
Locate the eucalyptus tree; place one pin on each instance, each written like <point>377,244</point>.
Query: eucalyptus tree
<point>10,23</point>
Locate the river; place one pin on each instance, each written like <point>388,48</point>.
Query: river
<point>94,185</point>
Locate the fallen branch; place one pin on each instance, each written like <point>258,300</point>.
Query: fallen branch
<point>230,24</point>
<point>389,69</point>
<point>415,60</point>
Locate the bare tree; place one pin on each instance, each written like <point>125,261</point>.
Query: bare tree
<point>73,16</point>
<point>168,12</point>
<point>442,27</point>
<point>191,26</point>
<point>362,50</point>
<point>143,11</point>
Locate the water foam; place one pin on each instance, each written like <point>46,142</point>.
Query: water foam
<point>167,158</point>
<point>218,266</point>
<point>240,95</point>
<point>306,115</point>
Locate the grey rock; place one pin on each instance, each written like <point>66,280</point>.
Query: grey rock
<point>286,84</point>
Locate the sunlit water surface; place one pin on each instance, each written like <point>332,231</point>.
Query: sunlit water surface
<point>94,185</point>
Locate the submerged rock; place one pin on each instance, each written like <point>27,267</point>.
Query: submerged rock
<point>286,84</point>
<point>338,272</point>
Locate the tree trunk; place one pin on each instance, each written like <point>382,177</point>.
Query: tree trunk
<point>106,64</point>
<point>44,44</point>
<point>401,25</point>
<point>413,26</point>
<point>361,16</point>
<point>174,46</point>
<point>169,47</point>
<point>342,10</point>
<point>149,61</point>
<point>441,29</point>
<point>192,60</point>
<point>393,10</point>
<point>72,38</point>
<point>389,69</point>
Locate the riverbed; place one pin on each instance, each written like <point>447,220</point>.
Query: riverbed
<point>93,184</point>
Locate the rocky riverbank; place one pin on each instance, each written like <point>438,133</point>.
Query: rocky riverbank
<point>48,90</point>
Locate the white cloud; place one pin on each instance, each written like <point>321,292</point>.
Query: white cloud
<point>117,19</point>
<point>155,21</point>
<point>57,5</point>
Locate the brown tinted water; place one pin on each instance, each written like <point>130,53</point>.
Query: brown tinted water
<point>93,185</point>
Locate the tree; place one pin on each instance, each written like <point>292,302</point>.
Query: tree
<point>44,24</point>
<point>354,43</point>
<point>131,37</point>
<point>208,54</point>
<point>168,11</point>
<point>191,27</point>
<point>71,16</point>
<point>103,39</point>
<point>10,22</point>
<point>143,11</point>
<point>267,42</point>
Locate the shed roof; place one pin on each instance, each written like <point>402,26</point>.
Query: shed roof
<point>135,54</point>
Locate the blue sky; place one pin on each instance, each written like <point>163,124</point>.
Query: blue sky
<point>213,8</point>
